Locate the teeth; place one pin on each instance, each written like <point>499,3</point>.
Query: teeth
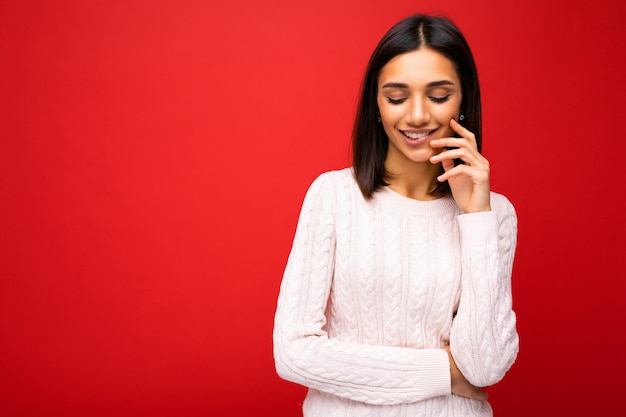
<point>415,135</point>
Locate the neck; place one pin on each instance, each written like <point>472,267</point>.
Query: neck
<point>414,180</point>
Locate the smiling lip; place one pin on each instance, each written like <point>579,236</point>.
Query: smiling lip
<point>415,137</point>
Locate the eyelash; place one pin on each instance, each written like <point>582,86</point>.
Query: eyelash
<point>392,101</point>
<point>440,99</point>
<point>433,99</point>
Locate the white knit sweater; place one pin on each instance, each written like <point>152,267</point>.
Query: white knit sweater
<point>373,291</point>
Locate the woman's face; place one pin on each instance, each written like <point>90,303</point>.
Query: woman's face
<point>418,93</point>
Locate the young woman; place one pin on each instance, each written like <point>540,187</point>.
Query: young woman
<point>396,297</point>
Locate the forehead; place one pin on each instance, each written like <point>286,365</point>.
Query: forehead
<point>418,67</point>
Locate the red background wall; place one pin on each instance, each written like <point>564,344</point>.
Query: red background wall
<point>154,156</point>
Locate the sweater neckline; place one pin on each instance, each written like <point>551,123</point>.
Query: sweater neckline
<point>440,206</point>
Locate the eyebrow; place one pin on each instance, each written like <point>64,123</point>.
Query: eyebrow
<point>431,84</point>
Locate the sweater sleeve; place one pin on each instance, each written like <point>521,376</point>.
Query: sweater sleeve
<point>484,340</point>
<point>304,353</point>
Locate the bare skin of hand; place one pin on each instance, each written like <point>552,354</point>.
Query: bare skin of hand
<point>469,182</point>
<point>460,385</point>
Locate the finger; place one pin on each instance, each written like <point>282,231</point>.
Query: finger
<point>462,131</point>
<point>452,153</point>
<point>454,142</point>
<point>471,157</point>
<point>447,165</point>
<point>452,171</point>
<point>481,395</point>
<point>449,170</point>
<point>450,142</point>
<point>470,391</point>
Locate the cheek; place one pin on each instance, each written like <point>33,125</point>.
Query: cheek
<point>389,113</point>
<point>448,110</point>
<point>444,113</point>
<point>389,120</point>
<point>382,108</point>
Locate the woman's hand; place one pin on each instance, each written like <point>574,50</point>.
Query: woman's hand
<point>469,181</point>
<point>460,385</point>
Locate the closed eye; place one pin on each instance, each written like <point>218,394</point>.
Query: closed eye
<point>439,99</point>
<point>396,101</point>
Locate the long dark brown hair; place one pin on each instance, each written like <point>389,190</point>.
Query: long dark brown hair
<point>369,140</point>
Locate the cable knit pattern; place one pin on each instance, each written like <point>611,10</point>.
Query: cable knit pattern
<point>373,291</point>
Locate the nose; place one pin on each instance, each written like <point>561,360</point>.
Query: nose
<point>418,113</point>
